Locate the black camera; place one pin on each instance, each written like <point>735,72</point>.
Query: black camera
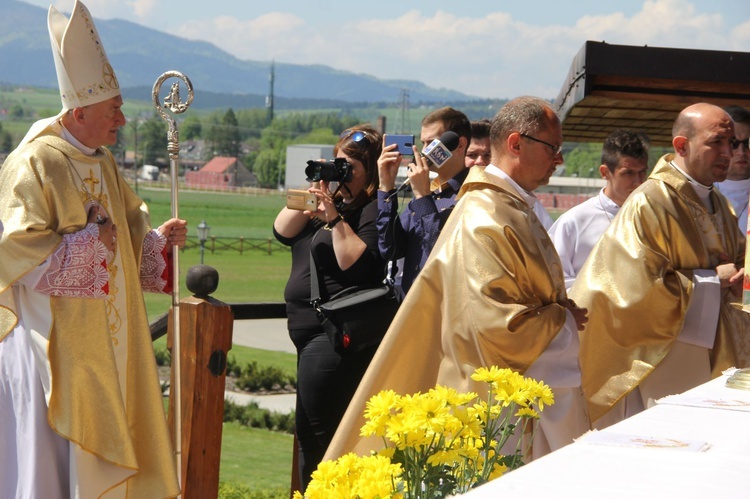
<point>336,170</point>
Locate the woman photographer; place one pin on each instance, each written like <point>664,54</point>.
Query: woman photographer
<point>343,237</point>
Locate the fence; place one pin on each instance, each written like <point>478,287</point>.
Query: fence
<point>241,244</point>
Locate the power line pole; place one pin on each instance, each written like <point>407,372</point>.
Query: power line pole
<point>404,110</point>
<point>269,97</point>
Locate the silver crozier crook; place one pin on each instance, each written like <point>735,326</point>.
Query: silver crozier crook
<point>173,103</point>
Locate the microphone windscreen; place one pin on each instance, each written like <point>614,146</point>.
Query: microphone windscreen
<point>450,140</point>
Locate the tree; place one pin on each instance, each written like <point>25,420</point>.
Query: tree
<point>226,136</point>
<point>153,134</point>
<point>251,122</point>
<point>6,140</point>
<point>266,167</point>
<point>584,160</point>
<point>16,112</point>
<point>191,128</point>
<point>318,136</point>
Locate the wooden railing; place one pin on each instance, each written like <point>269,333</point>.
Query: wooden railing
<point>240,311</point>
<point>206,338</point>
<point>239,244</point>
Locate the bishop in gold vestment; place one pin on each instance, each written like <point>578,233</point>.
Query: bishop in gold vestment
<point>638,284</point>
<point>490,294</point>
<point>81,410</point>
<point>91,350</point>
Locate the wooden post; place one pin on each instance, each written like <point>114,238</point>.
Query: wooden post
<point>296,484</point>
<point>206,330</point>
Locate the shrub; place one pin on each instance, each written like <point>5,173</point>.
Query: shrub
<point>254,378</point>
<point>229,490</point>
<point>163,357</point>
<point>253,416</point>
<point>249,377</point>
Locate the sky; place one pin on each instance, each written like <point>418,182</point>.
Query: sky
<point>483,48</point>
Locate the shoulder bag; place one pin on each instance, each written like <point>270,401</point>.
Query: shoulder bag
<point>357,317</point>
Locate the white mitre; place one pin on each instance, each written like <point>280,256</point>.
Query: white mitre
<point>84,74</point>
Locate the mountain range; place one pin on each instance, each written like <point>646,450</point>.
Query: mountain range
<point>139,55</point>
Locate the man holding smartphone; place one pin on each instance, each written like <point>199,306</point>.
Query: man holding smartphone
<point>412,235</point>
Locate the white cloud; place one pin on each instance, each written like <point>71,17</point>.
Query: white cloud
<point>490,56</point>
<point>256,39</point>
<point>98,8</point>
<point>143,9</point>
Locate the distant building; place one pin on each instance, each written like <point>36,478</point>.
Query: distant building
<point>149,172</point>
<point>222,172</point>
<point>297,157</point>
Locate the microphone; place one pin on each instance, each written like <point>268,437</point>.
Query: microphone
<point>437,152</point>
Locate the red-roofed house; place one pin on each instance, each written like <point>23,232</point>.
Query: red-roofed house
<point>222,172</point>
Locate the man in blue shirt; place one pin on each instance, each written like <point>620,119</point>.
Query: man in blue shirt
<point>412,235</point>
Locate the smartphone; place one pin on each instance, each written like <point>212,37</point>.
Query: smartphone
<point>298,199</point>
<point>404,142</point>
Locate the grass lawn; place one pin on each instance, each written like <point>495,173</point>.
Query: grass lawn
<point>228,215</point>
<point>257,459</point>
<point>251,277</point>
<point>254,276</point>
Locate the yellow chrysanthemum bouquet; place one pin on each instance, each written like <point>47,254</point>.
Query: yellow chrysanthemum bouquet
<point>438,443</point>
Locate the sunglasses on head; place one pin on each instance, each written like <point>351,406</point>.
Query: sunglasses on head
<point>357,136</point>
<point>737,143</point>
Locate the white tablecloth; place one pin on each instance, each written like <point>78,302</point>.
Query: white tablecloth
<point>587,470</point>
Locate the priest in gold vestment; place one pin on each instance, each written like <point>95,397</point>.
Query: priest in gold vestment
<point>660,284</point>
<point>81,411</point>
<point>491,293</point>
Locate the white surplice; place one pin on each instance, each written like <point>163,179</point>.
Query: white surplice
<point>576,231</point>
<point>738,193</point>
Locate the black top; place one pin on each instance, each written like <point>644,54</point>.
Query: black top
<point>369,269</point>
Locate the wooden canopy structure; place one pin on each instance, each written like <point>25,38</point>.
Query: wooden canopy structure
<point>644,88</point>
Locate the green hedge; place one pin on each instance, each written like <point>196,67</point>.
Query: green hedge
<point>238,491</point>
<point>253,416</point>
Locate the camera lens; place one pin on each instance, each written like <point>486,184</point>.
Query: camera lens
<point>337,170</point>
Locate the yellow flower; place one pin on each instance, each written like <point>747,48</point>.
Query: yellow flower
<point>498,470</point>
<point>375,477</point>
<point>451,396</point>
<point>404,430</point>
<point>527,412</point>
<point>429,412</point>
<point>378,412</point>
<point>444,457</point>
<point>433,436</point>
<point>545,396</point>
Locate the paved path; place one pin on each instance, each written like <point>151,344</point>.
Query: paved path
<point>266,334</point>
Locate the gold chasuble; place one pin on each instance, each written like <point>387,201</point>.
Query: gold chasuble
<point>116,417</point>
<point>488,295</point>
<point>638,282</point>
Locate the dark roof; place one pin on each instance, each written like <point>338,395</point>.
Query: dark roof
<point>644,88</point>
